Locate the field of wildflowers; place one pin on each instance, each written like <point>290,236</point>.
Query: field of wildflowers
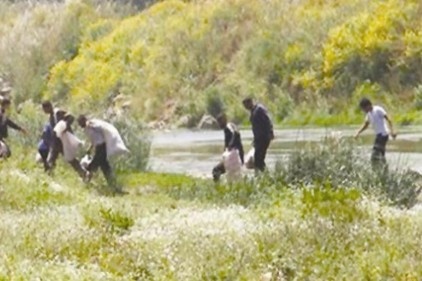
<point>283,226</point>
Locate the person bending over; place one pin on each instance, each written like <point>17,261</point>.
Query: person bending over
<point>232,140</point>
<point>95,134</point>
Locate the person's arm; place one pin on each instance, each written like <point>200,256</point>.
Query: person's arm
<point>266,122</point>
<point>69,118</point>
<point>390,125</point>
<point>230,137</point>
<point>15,126</point>
<point>362,129</point>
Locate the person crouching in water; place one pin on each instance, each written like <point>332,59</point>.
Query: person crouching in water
<point>5,123</point>
<point>99,133</point>
<point>382,125</point>
<point>232,140</point>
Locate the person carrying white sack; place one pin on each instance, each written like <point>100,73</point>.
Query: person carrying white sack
<point>70,145</point>
<point>233,155</point>
<point>107,142</point>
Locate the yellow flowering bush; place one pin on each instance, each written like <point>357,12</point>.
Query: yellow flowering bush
<point>364,47</point>
<point>169,57</point>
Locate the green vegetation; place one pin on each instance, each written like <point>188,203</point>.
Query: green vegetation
<point>325,215</point>
<point>309,61</point>
<point>287,225</point>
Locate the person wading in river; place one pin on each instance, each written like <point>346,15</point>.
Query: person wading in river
<point>263,133</point>
<point>5,123</point>
<point>232,140</point>
<point>382,125</point>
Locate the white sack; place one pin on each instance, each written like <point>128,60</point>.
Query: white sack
<point>250,159</point>
<point>114,142</point>
<point>232,164</point>
<point>3,149</point>
<point>70,142</point>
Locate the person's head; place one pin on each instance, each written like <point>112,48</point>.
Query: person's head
<point>366,105</point>
<point>222,120</point>
<point>5,104</point>
<point>248,103</point>
<point>47,107</point>
<point>82,120</point>
<point>60,114</point>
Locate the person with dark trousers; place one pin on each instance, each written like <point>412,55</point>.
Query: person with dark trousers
<point>5,124</point>
<point>100,160</point>
<point>45,144</point>
<point>382,125</point>
<point>262,129</point>
<point>232,140</point>
<point>56,147</point>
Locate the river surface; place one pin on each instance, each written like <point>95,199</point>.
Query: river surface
<point>196,152</point>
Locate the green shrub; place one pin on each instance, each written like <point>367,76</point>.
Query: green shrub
<point>138,142</point>
<point>418,97</point>
<point>214,102</point>
<point>341,164</point>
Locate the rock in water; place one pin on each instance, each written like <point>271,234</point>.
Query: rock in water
<point>184,121</point>
<point>208,123</point>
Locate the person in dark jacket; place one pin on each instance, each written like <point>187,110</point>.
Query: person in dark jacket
<point>5,124</point>
<point>56,146</point>
<point>263,133</point>
<point>232,140</point>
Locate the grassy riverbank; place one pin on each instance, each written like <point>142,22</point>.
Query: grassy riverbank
<point>290,225</point>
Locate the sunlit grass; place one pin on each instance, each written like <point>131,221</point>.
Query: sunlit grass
<point>173,227</point>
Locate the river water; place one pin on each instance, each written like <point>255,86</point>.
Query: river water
<point>196,152</point>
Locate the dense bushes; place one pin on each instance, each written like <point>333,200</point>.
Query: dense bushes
<point>340,163</point>
<point>307,60</point>
<point>289,55</point>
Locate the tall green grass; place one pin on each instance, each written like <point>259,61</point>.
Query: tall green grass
<point>170,227</point>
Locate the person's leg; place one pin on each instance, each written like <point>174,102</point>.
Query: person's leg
<point>56,149</point>
<point>378,152</point>
<point>101,151</point>
<point>217,171</point>
<point>76,165</point>
<point>100,160</point>
<point>261,147</point>
<point>95,162</point>
<point>44,156</point>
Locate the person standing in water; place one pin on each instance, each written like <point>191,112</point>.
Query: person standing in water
<point>6,123</point>
<point>383,127</point>
<point>232,140</point>
<point>263,133</point>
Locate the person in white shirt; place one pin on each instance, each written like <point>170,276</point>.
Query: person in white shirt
<point>382,125</point>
